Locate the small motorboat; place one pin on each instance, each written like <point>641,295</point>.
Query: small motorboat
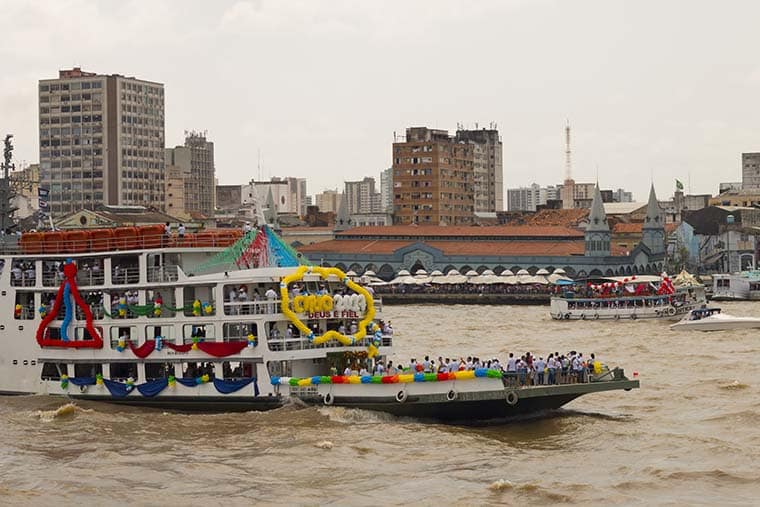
<point>711,319</point>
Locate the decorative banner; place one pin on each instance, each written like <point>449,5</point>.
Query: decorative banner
<point>69,288</point>
<point>154,387</point>
<point>216,349</point>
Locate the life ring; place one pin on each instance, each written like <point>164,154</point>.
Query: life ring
<point>512,398</point>
<point>633,316</point>
<point>328,399</point>
<point>617,317</point>
<point>567,316</point>
<point>83,389</point>
<point>671,311</point>
<point>583,316</point>
<point>451,395</point>
<point>596,316</point>
<point>401,396</point>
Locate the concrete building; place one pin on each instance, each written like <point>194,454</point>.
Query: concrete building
<point>329,200</point>
<point>621,195</point>
<point>529,198</point>
<point>576,195</point>
<point>194,163</point>
<point>750,171</point>
<point>175,191</point>
<point>101,141</point>
<point>229,197</point>
<point>488,171</point>
<point>386,190</point>
<point>361,197</point>
<point>432,179</point>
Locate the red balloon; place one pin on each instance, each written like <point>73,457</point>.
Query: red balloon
<point>625,280</point>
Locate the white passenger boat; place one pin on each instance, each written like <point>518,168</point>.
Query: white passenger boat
<point>744,286</point>
<point>218,322</point>
<point>711,319</point>
<point>637,297</point>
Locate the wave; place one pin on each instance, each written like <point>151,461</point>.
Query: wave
<point>720,476</point>
<point>356,415</point>
<point>536,492</point>
<point>734,386</point>
<point>68,410</point>
<point>324,444</point>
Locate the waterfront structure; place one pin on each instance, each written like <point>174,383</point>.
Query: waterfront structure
<point>530,198</point>
<point>101,140</point>
<point>328,201</point>
<point>488,171</point>
<point>432,179</point>
<point>751,171</point>
<point>743,198</point>
<point>387,250</point>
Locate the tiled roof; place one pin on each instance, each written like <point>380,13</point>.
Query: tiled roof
<point>558,217</point>
<point>559,248</point>
<point>635,228</point>
<point>422,231</point>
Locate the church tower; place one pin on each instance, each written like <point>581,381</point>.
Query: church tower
<point>653,230</point>
<point>597,232</point>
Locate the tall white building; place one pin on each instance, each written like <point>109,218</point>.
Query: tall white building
<point>386,190</point>
<point>529,198</point>
<point>361,197</point>
<point>101,140</point>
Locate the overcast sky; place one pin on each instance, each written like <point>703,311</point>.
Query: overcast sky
<point>653,90</point>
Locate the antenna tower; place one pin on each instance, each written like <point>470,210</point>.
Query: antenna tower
<point>568,164</point>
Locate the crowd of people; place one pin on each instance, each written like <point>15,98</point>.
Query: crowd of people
<point>467,288</point>
<point>525,370</point>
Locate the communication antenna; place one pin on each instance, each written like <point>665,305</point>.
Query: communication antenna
<point>568,164</point>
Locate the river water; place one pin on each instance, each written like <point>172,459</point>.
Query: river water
<point>689,436</point>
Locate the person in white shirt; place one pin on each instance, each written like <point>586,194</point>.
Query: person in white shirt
<point>181,231</point>
<point>347,371</point>
<point>234,309</point>
<point>379,369</point>
<point>426,365</point>
<point>271,295</point>
<point>247,228</point>
<point>540,366</point>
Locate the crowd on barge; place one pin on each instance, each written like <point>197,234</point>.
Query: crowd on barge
<point>525,370</point>
<point>467,288</point>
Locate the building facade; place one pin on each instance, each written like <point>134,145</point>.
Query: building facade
<point>194,163</point>
<point>386,190</point>
<point>488,170</point>
<point>361,197</point>
<point>432,179</point>
<point>529,198</point>
<point>751,171</point>
<point>329,200</point>
<point>101,140</point>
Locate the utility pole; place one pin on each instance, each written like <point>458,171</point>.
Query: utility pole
<point>6,191</point>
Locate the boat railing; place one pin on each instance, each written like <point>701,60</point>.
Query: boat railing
<point>251,307</point>
<point>303,343</point>
<point>125,276</point>
<point>163,274</point>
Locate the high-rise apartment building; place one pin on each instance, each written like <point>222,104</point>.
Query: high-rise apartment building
<point>361,197</point>
<point>329,200</point>
<point>101,140</point>
<point>386,190</point>
<point>750,171</point>
<point>488,172</point>
<point>432,179</point>
<point>529,198</point>
<point>195,162</point>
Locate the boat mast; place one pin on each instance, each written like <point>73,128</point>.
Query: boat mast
<point>6,190</point>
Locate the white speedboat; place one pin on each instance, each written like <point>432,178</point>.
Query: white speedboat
<point>711,319</point>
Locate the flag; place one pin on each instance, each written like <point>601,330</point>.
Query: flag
<point>43,194</point>
<point>679,185</point>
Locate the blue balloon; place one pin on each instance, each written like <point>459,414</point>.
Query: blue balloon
<point>275,381</point>
<point>481,372</point>
<point>419,377</point>
<point>315,380</point>
<point>198,380</point>
<point>366,379</point>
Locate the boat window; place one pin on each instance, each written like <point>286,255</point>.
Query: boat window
<point>52,333</point>
<point>90,271</point>
<point>197,369</point>
<point>238,369</point>
<point>121,301</point>
<point>123,371</point>
<point>165,332</point>
<point>280,368</point>
<point>199,301</point>
<point>243,300</point>
<point>88,369</point>
<point>82,334</point>
<point>162,300</point>
<point>203,332</point>
<point>53,371</point>
<point>94,300</point>
<point>234,331</point>
<point>155,371</point>
<point>24,307</point>
<point>23,273</point>
<point>125,269</point>
<point>123,332</point>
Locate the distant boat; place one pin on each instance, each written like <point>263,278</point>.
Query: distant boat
<point>744,286</point>
<point>711,319</point>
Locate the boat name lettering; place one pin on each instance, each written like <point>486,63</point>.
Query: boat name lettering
<point>344,314</point>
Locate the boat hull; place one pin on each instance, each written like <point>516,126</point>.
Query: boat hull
<point>194,403</point>
<point>716,325</point>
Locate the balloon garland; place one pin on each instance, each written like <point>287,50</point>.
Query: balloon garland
<point>66,291</point>
<point>402,378</point>
<point>347,340</point>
